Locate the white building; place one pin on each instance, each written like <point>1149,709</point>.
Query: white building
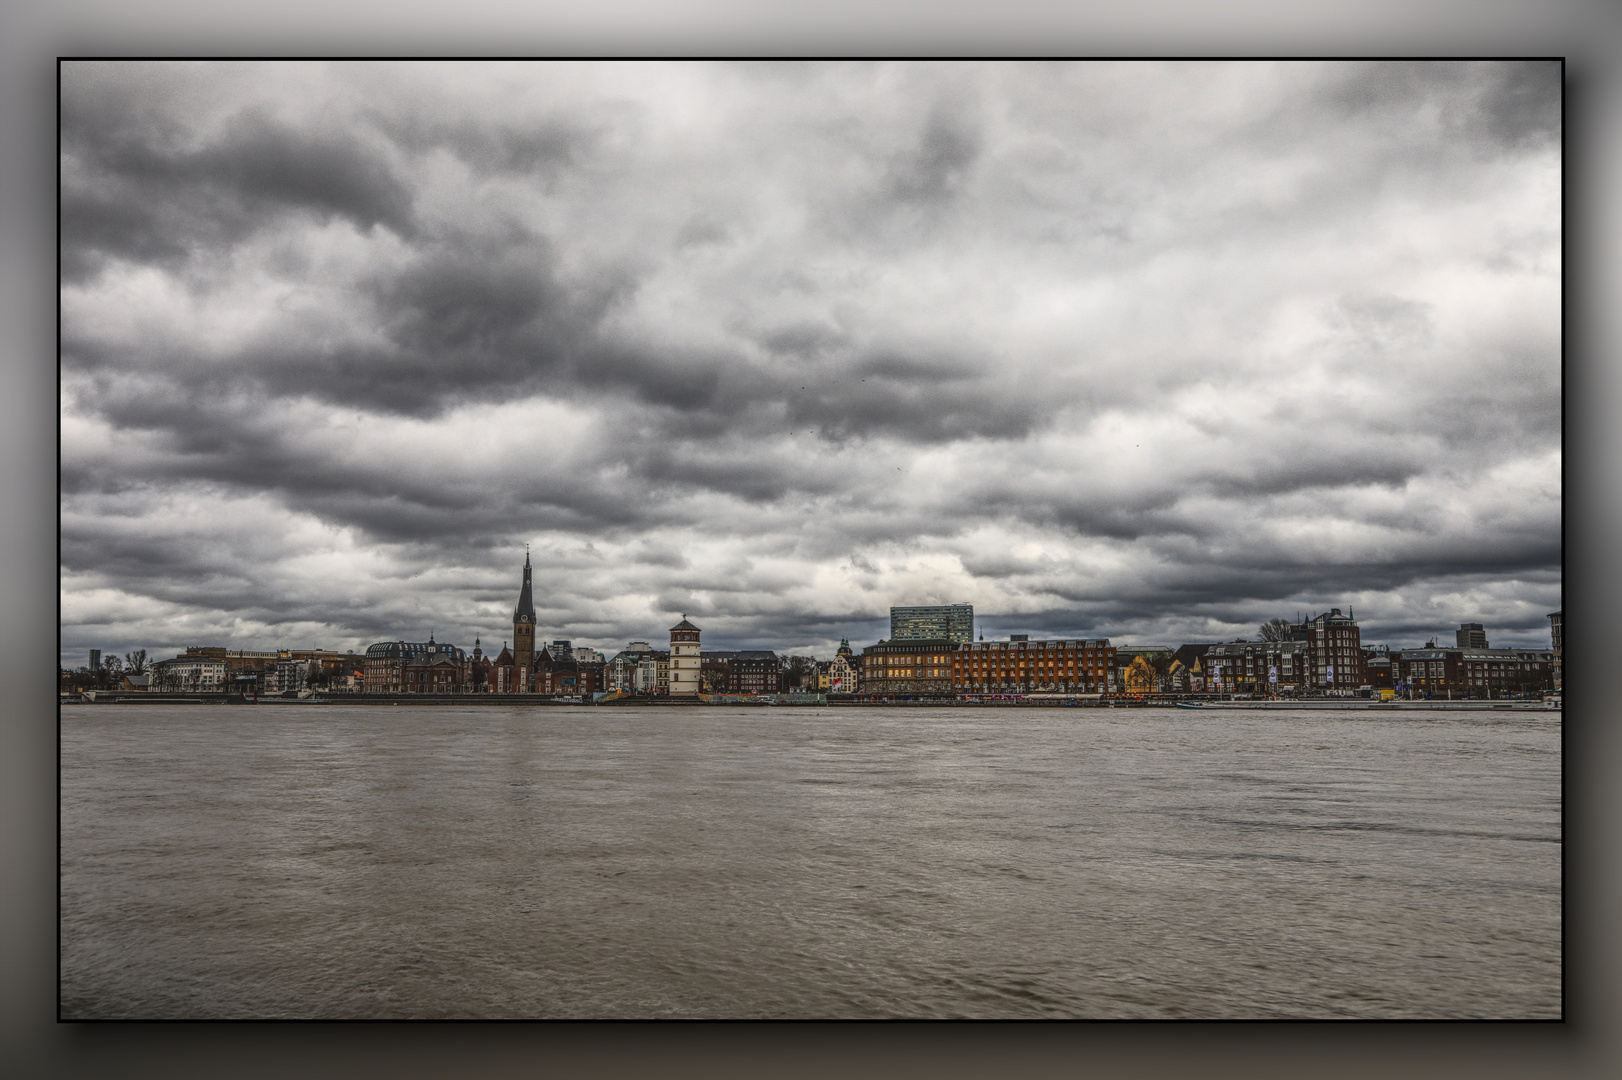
<point>288,675</point>
<point>685,661</point>
<point>842,675</point>
<point>647,673</point>
<point>190,673</point>
<point>623,671</point>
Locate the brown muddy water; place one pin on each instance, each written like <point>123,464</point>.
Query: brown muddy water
<point>330,861</point>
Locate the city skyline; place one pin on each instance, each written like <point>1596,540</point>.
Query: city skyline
<point>1147,351</point>
<point>998,627</point>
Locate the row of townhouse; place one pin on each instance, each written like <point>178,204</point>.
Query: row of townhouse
<point>1321,654</point>
<point>638,668</point>
<point>1318,655</point>
<point>557,670</point>
<point>641,669</point>
<point>214,669</point>
<point>435,667</point>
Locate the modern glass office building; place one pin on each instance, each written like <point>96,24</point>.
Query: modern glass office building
<point>951,622</point>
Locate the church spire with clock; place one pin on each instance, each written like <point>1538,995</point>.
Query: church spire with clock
<point>524,621</point>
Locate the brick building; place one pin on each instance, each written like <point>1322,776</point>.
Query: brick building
<point>1472,673</point>
<point>1265,667</point>
<point>415,667</point>
<point>1335,654</point>
<point>1020,665</point>
<point>747,671</point>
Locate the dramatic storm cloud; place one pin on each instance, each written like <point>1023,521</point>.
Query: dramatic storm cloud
<point>1152,352</point>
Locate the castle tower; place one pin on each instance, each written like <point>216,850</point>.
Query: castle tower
<point>524,621</point>
<point>684,659</point>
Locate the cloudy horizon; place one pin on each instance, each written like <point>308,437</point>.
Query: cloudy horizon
<point>1152,352</point>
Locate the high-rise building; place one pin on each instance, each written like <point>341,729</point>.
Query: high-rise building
<point>946,622</point>
<point>95,659</point>
<point>524,622</point>
<point>1471,635</point>
<point>685,661</point>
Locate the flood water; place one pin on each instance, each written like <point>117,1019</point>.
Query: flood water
<point>361,862</point>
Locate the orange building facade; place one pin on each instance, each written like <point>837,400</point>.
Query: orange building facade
<point>1022,666</point>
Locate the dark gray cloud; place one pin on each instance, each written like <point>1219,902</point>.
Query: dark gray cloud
<point>1131,350</point>
<point>131,193</point>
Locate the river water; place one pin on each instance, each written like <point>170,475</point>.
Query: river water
<point>333,861</point>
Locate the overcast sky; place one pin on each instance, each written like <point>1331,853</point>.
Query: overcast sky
<point>1146,351</point>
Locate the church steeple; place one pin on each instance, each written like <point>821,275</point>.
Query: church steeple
<point>524,619</point>
<point>525,611</point>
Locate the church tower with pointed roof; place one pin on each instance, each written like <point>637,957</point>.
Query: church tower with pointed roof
<point>524,621</point>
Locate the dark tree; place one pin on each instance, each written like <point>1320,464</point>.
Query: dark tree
<point>797,670</point>
<point>135,662</point>
<point>1275,630</point>
<point>715,677</point>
